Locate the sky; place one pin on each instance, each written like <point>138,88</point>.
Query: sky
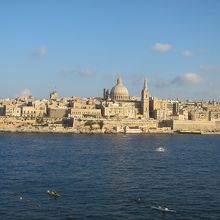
<point>79,47</point>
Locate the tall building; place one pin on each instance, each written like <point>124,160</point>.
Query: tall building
<point>53,95</point>
<point>145,100</point>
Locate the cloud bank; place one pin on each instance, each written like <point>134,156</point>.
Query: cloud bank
<point>188,79</point>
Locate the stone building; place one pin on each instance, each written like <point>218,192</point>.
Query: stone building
<point>119,104</point>
<point>57,112</point>
<point>198,115</point>
<point>214,115</point>
<point>163,109</point>
<point>8,109</point>
<point>17,111</point>
<point>85,108</point>
<point>85,113</point>
<point>40,108</point>
<point>121,110</point>
<point>12,108</point>
<point>28,111</point>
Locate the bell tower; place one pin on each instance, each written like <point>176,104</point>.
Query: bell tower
<point>145,100</point>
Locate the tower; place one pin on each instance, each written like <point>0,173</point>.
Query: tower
<point>105,94</point>
<point>145,100</point>
<point>53,95</point>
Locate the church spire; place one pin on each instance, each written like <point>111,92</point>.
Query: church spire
<point>145,84</point>
<point>145,100</point>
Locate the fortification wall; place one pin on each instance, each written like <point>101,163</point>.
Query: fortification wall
<point>132,123</point>
<point>217,124</point>
<point>195,125</point>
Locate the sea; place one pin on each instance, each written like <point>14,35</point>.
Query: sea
<point>112,177</point>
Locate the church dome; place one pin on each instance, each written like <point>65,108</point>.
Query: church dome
<point>119,92</point>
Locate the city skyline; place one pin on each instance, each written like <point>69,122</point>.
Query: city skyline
<point>80,47</point>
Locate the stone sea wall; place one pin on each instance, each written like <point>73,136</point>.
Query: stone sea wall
<point>195,125</point>
<point>97,126</point>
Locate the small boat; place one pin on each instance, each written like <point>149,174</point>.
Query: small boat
<point>163,209</point>
<point>161,149</point>
<point>137,200</point>
<point>53,194</point>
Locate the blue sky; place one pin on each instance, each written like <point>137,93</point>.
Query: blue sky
<point>81,46</point>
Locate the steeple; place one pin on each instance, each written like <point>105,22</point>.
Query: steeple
<point>145,84</point>
<point>145,100</point>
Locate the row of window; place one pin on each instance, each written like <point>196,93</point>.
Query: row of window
<point>120,97</point>
<point>88,113</point>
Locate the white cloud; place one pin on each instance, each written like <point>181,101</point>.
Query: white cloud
<point>41,51</point>
<point>161,47</point>
<point>25,93</point>
<point>187,53</point>
<point>188,79</point>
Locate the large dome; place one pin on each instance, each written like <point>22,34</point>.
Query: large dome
<point>119,92</point>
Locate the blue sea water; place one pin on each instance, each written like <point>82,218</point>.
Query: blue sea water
<point>102,176</point>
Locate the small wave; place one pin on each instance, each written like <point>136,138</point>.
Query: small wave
<point>161,149</point>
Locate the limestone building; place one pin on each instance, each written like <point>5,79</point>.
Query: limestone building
<point>163,109</point>
<point>119,104</point>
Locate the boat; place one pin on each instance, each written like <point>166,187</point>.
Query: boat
<point>189,131</point>
<point>163,209</point>
<point>132,130</point>
<point>161,149</point>
<point>53,194</point>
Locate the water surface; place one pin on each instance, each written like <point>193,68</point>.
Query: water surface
<point>102,176</point>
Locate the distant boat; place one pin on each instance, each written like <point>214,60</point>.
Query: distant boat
<point>189,131</point>
<point>133,130</point>
<point>53,194</point>
<point>163,209</point>
<point>160,149</point>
